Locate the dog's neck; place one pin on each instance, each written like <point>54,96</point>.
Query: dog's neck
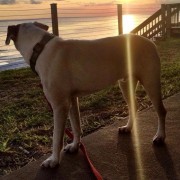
<point>27,40</point>
<point>37,50</point>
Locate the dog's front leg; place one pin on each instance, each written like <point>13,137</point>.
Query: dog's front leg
<point>60,113</point>
<point>76,126</point>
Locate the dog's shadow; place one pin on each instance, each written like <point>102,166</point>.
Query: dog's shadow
<point>162,155</point>
<point>125,145</point>
<point>164,158</point>
<point>73,166</point>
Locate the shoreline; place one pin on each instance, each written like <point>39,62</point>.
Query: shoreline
<point>12,64</point>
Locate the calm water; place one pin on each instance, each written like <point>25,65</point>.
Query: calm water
<point>71,28</point>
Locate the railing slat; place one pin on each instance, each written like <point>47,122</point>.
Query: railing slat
<point>157,26</point>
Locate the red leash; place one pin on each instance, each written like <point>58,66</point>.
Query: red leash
<point>83,149</point>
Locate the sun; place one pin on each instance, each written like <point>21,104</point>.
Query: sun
<point>128,23</point>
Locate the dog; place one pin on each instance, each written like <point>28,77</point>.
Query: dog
<point>69,69</point>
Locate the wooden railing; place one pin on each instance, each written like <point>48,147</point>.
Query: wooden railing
<point>150,27</point>
<point>175,15</point>
<point>160,24</point>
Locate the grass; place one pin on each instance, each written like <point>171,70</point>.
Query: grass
<point>26,120</point>
<point>170,60</point>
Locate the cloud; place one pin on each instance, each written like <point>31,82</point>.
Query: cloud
<point>20,1</point>
<point>7,1</point>
<point>35,2</point>
<point>167,1</point>
<point>40,1</point>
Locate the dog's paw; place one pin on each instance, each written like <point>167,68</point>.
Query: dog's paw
<point>158,140</point>
<point>72,147</point>
<point>124,129</point>
<point>50,162</point>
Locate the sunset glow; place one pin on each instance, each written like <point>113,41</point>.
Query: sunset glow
<point>128,23</point>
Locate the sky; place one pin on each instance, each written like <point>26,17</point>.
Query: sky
<point>81,4</point>
<point>11,2</point>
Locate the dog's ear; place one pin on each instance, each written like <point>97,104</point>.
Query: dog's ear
<point>12,33</point>
<point>42,26</point>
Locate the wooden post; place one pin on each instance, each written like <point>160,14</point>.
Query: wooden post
<point>177,16</point>
<point>54,17</point>
<point>168,23</point>
<point>163,19</point>
<point>120,20</point>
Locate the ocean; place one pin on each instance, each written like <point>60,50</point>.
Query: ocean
<point>70,28</point>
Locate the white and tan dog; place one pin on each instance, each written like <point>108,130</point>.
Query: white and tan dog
<point>72,68</point>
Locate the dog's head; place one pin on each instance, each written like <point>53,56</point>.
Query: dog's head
<point>13,31</point>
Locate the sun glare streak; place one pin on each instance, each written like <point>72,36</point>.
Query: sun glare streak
<point>140,173</point>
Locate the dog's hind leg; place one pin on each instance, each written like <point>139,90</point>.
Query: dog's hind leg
<point>124,86</point>
<point>153,89</point>
<point>76,126</point>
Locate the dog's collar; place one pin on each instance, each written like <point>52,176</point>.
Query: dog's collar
<point>38,48</point>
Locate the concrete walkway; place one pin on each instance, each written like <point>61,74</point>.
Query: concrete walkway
<point>120,157</point>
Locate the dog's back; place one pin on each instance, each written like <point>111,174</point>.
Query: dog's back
<point>104,61</point>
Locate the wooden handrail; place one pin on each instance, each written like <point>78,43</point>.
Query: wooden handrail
<point>175,24</point>
<point>174,5</point>
<point>147,21</point>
